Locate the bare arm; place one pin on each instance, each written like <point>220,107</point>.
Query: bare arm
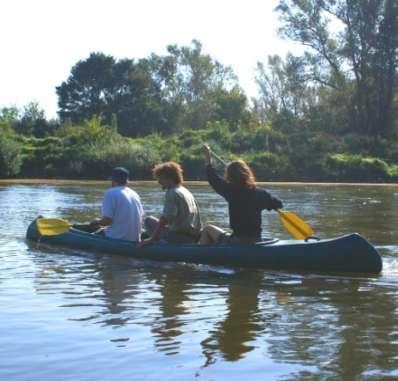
<point>216,181</point>
<point>102,221</point>
<point>156,234</point>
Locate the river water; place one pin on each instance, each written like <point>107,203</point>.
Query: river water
<point>71,315</point>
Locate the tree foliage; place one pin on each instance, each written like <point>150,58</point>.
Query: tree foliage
<point>327,114</point>
<point>155,94</point>
<point>10,156</point>
<point>352,48</point>
<point>124,90</point>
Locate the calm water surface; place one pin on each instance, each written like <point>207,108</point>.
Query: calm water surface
<point>70,315</point>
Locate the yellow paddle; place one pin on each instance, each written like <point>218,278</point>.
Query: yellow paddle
<point>297,227</point>
<point>52,226</point>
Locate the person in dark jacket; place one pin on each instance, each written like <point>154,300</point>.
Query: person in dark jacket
<point>245,203</point>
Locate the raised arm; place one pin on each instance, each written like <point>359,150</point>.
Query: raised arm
<point>215,180</point>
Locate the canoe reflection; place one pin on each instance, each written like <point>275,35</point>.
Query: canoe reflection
<point>328,323</point>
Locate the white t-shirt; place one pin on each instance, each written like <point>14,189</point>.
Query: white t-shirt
<point>123,206</point>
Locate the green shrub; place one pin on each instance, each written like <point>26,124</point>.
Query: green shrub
<point>10,157</point>
<point>98,160</point>
<point>356,167</point>
<point>258,137</point>
<point>91,150</point>
<point>167,148</point>
<point>193,163</point>
<point>269,166</point>
<point>217,133</point>
<point>394,172</point>
<point>86,133</point>
<point>45,157</point>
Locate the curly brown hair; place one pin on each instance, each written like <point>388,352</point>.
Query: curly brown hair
<point>170,170</point>
<point>239,173</point>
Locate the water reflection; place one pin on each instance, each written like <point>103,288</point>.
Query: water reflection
<point>333,323</point>
<point>233,335</point>
<point>343,327</point>
<point>174,291</point>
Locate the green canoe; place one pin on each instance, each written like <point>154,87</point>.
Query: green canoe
<point>350,253</point>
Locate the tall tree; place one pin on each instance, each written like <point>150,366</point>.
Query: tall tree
<point>158,93</point>
<point>231,106</point>
<point>33,120</point>
<point>110,89</point>
<point>283,86</point>
<point>189,79</point>
<point>359,61</point>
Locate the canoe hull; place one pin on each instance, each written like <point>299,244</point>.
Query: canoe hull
<point>350,253</point>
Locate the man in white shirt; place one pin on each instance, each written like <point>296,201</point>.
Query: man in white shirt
<point>122,210</point>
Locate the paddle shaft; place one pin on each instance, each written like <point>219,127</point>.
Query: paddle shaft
<point>224,163</point>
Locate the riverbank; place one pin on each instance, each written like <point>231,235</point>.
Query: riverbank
<point>151,183</point>
<point>84,151</point>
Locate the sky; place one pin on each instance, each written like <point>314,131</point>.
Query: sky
<point>42,39</point>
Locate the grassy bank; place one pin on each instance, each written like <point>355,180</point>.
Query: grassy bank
<point>91,150</point>
<point>193,183</point>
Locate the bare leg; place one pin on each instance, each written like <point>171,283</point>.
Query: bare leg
<point>210,234</point>
<point>151,223</point>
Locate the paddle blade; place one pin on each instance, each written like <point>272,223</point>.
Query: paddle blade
<point>52,226</point>
<point>298,228</point>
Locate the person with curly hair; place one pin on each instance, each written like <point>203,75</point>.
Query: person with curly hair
<point>180,219</point>
<point>245,203</point>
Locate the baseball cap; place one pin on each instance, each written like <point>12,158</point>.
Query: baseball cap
<point>120,175</point>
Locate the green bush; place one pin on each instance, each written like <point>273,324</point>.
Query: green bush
<point>394,172</point>
<point>91,150</point>
<point>193,163</point>
<point>10,157</point>
<point>166,148</point>
<point>367,145</point>
<point>45,157</point>
<point>356,167</point>
<point>258,137</point>
<point>269,166</point>
<point>88,132</point>
<point>217,133</point>
<point>98,160</point>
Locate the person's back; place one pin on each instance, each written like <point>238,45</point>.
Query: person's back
<point>181,211</point>
<point>245,203</point>
<point>245,206</point>
<point>180,220</point>
<point>123,206</point>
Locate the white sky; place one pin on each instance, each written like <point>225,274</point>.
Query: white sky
<point>42,39</point>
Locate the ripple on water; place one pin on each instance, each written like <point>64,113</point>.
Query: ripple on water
<point>76,315</point>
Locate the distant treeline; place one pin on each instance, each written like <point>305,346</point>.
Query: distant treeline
<point>328,114</point>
